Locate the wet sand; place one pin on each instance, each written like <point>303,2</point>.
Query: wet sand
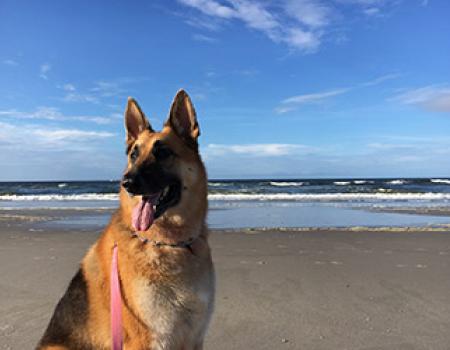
<point>276,289</point>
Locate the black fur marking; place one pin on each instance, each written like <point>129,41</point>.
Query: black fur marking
<point>70,317</point>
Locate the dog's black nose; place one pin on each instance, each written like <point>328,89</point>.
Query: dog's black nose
<point>127,182</point>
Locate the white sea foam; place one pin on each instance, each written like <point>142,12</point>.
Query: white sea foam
<point>301,197</point>
<point>342,183</point>
<point>61,197</point>
<point>362,182</point>
<point>441,181</point>
<point>216,184</point>
<point>62,185</point>
<point>286,184</point>
<point>323,197</point>
<point>397,182</point>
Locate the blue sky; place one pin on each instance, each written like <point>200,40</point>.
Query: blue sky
<point>287,88</point>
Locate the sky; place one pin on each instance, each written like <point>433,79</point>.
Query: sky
<point>282,89</point>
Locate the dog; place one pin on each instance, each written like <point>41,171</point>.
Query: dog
<point>164,259</point>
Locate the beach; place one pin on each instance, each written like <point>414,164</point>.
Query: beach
<point>306,288</point>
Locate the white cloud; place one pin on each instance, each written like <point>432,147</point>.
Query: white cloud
<point>381,79</point>
<point>69,87</point>
<point>58,135</point>
<point>10,63</point>
<point>43,70</point>
<point>73,96</point>
<point>33,152</point>
<point>311,13</point>
<point>434,98</point>
<point>372,11</point>
<point>107,88</point>
<point>98,91</point>
<point>52,113</point>
<point>30,136</point>
<point>310,98</point>
<point>212,8</point>
<point>296,26</point>
<point>292,103</point>
<point>299,38</point>
<point>302,25</point>
<point>203,38</point>
<point>256,149</point>
<point>377,8</point>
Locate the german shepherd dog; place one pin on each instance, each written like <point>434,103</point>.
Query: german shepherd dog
<point>164,260</point>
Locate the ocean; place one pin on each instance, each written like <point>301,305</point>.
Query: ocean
<point>266,203</point>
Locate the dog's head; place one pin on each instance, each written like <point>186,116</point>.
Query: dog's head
<point>165,179</point>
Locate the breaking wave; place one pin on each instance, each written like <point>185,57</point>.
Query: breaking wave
<point>440,181</point>
<point>286,184</point>
<point>301,197</point>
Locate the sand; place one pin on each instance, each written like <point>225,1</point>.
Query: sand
<point>320,289</point>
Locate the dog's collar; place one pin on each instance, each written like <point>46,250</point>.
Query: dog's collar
<point>187,244</point>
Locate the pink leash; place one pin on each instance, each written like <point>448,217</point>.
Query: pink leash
<point>116,303</point>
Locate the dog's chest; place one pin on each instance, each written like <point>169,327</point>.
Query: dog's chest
<point>176,308</point>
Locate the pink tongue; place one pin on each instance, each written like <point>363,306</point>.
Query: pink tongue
<point>143,215</point>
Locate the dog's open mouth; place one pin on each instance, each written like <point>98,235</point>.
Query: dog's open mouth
<point>152,206</point>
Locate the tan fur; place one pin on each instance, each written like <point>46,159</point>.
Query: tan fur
<point>167,292</point>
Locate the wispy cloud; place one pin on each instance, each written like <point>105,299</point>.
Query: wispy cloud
<point>107,88</point>
<point>292,103</point>
<point>302,25</point>
<point>43,70</point>
<point>69,87</point>
<point>30,136</point>
<point>97,92</point>
<point>52,113</point>
<point>203,38</point>
<point>310,13</point>
<point>10,62</point>
<point>435,98</point>
<point>372,11</point>
<point>370,7</point>
<point>311,98</point>
<point>381,79</point>
<point>59,135</point>
<point>257,149</point>
<point>297,25</point>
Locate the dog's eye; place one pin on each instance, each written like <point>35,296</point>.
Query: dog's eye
<point>161,151</point>
<point>134,154</point>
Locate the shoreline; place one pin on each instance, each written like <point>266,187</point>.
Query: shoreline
<point>96,218</point>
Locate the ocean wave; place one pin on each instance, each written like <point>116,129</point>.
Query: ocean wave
<point>216,184</point>
<point>397,182</point>
<point>440,181</point>
<point>301,197</point>
<point>62,185</point>
<point>362,182</point>
<point>342,183</point>
<point>61,197</point>
<point>322,197</point>
<point>286,184</point>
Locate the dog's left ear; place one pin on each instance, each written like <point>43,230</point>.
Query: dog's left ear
<point>135,121</point>
<point>183,119</point>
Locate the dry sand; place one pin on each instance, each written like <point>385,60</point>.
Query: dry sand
<point>313,290</point>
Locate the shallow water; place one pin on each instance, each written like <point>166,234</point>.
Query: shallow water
<point>313,215</point>
<point>279,214</point>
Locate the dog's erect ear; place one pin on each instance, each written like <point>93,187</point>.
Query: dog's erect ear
<point>183,119</point>
<point>135,121</point>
